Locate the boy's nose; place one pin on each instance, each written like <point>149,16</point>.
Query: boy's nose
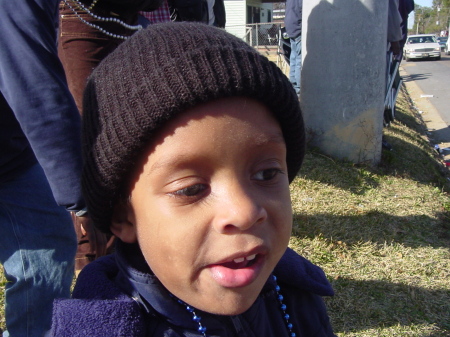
<point>238,209</point>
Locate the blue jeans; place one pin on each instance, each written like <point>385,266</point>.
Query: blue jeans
<point>295,63</point>
<point>37,249</point>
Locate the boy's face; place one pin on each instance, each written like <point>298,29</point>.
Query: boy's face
<point>211,207</point>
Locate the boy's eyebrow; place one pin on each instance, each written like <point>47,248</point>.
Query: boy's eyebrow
<point>274,138</point>
<point>260,141</point>
<point>169,162</point>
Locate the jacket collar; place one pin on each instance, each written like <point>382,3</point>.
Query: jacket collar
<point>137,279</point>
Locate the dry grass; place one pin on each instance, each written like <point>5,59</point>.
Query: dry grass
<point>382,235</point>
<point>2,301</point>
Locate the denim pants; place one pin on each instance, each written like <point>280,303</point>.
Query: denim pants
<point>295,63</point>
<point>37,249</point>
<point>82,47</point>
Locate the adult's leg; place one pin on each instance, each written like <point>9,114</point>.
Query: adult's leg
<point>80,49</point>
<point>295,63</point>
<point>37,249</point>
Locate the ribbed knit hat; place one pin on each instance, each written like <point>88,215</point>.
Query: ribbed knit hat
<point>158,73</point>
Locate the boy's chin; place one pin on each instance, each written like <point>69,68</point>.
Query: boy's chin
<point>230,309</point>
<point>233,303</point>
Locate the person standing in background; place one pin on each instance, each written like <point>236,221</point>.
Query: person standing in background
<point>216,13</point>
<point>211,17</point>
<point>88,32</point>
<point>404,7</point>
<point>210,12</point>
<point>293,24</point>
<point>394,30</point>
<point>40,167</point>
<point>160,15</point>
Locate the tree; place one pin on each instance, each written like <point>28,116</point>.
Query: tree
<point>441,3</point>
<point>434,19</point>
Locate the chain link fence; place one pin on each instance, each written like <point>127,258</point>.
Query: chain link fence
<point>257,34</point>
<point>268,39</point>
<point>262,34</point>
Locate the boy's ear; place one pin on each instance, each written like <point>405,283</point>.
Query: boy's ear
<point>122,224</point>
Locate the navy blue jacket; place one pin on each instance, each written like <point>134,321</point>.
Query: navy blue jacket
<point>111,298</point>
<point>293,18</point>
<point>38,117</point>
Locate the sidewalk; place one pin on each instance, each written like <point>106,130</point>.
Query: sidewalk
<point>437,130</point>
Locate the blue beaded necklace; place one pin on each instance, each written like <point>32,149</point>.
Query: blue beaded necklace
<point>197,319</point>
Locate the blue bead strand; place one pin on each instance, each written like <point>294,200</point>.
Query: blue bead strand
<point>197,319</point>
<point>283,308</point>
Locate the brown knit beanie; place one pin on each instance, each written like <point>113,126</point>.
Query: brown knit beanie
<point>158,73</point>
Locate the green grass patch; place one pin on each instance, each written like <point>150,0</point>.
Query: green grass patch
<point>2,301</point>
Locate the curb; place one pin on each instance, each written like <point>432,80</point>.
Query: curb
<point>438,132</point>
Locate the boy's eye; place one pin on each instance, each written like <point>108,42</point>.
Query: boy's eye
<point>190,191</point>
<point>268,174</point>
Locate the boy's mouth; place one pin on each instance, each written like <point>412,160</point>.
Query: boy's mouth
<point>240,262</point>
<point>238,272</point>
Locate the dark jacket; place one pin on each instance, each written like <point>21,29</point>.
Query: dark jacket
<point>220,14</point>
<point>197,10</point>
<point>405,7</point>
<point>38,117</point>
<point>112,298</point>
<point>124,7</point>
<point>293,18</point>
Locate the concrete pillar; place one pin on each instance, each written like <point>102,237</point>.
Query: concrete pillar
<point>343,76</point>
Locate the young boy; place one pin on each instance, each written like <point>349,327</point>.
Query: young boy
<point>191,139</point>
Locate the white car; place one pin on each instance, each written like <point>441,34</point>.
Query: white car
<point>421,46</point>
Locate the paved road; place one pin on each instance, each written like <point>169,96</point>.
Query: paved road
<point>433,78</point>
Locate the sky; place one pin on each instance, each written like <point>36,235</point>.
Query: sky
<point>426,3</point>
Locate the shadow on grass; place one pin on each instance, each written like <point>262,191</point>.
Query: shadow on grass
<point>411,231</point>
<point>405,118</point>
<point>412,157</point>
<point>361,305</point>
<point>407,160</point>
<point>341,174</point>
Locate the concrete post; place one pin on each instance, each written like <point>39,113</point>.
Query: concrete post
<point>343,76</point>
